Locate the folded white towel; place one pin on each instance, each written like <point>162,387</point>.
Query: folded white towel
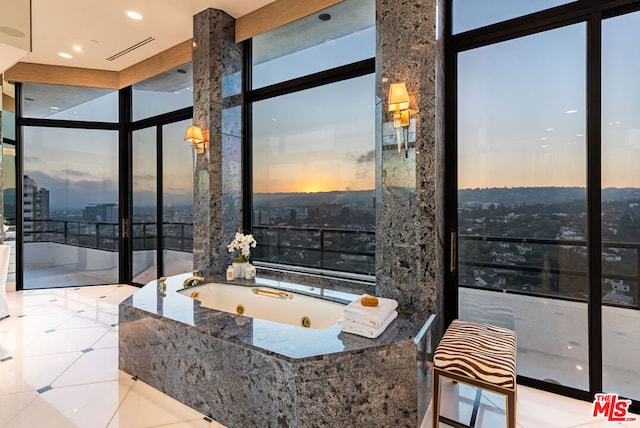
<point>372,316</point>
<point>364,330</point>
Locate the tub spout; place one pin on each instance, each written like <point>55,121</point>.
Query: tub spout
<point>193,280</point>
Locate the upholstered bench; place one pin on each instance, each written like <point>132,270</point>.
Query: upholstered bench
<point>482,356</point>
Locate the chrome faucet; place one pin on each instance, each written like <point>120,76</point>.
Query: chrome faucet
<point>193,280</point>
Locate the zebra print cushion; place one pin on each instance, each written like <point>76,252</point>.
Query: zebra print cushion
<point>478,351</point>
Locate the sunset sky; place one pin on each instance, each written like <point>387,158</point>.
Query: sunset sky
<point>522,123</point>
<point>522,109</point>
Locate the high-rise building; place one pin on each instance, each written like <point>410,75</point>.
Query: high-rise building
<point>36,207</point>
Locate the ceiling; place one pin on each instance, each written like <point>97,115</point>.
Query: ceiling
<point>101,29</point>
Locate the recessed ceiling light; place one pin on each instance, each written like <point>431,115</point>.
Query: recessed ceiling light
<point>77,48</point>
<point>65,55</point>
<point>54,108</point>
<point>134,15</point>
<point>324,17</point>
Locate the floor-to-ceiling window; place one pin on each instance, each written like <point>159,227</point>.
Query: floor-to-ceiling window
<point>312,110</point>
<point>78,164</point>
<point>543,110</point>
<point>621,204</point>
<point>69,154</point>
<point>162,176</point>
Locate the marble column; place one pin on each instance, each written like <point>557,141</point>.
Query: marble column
<point>409,242</point>
<point>217,107</point>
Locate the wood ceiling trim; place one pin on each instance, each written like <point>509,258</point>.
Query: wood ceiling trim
<point>277,14</point>
<point>85,77</point>
<point>59,75</point>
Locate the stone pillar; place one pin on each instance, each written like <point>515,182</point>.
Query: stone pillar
<point>217,107</point>
<point>409,242</point>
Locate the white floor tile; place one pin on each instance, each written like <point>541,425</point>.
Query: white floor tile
<point>99,365</point>
<point>109,340</point>
<point>65,341</point>
<point>13,341</point>
<point>89,391</point>
<point>145,406</point>
<point>82,320</point>
<point>90,405</point>
<point>12,404</point>
<point>541,409</point>
<point>23,374</point>
<point>31,323</point>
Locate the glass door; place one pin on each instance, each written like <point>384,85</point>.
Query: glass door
<point>70,207</point>
<point>144,229</point>
<point>177,200</point>
<point>522,257</point>
<point>620,219</point>
<point>162,211</point>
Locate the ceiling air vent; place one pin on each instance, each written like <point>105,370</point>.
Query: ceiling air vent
<point>130,48</point>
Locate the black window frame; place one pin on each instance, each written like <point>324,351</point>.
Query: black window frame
<point>591,12</point>
<point>125,127</point>
<point>314,80</point>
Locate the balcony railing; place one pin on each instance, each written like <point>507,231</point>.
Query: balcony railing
<point>342,250</point>
<point>104,236</point>
<point>549,267</point>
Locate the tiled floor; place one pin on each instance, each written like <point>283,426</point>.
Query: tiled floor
<point>59,365</point>
<point>59,368</point>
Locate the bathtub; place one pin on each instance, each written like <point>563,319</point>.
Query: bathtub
<point>267,304</point>
<point>245,371</point>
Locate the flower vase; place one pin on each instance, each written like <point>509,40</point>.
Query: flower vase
<point>239,269</point>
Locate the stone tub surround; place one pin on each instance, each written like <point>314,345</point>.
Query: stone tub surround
<point>249,372</point>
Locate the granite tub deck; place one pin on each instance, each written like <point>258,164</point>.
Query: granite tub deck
<point>249,372</point>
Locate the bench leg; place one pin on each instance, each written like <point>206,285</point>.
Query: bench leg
<point>436,398</point>
<point>511,409</point>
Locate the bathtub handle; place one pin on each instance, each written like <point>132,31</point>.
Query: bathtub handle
<point>270,293</point>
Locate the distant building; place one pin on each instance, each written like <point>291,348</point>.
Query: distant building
<point>36,207</point>
<point>326,210</point>
<point>103,213</point>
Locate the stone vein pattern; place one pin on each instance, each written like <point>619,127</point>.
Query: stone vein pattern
<point>409,245</point>
<point>226,367</point>
<point>217,107</point>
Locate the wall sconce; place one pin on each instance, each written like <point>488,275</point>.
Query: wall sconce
<point>198,138</point>
<point>399,105</point>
